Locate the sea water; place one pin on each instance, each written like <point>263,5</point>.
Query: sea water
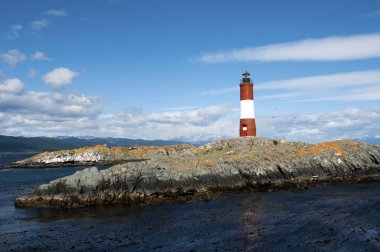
<point>334,217</point>
<point>6,158</point>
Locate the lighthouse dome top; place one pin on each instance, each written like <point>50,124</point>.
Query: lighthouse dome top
<point>246,74</point>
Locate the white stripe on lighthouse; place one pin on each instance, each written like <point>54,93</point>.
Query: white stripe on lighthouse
<point>247,109</point>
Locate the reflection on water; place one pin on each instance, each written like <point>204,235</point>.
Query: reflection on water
<point>321,218</point>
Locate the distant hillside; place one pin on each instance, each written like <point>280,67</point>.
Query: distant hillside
<point>116,141</point>
<point>33,144</point>
<point>39,144</point>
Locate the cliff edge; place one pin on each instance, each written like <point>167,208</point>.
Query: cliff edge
<point>185,172</point>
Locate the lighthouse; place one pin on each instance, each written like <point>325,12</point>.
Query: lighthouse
<point>247,113</point>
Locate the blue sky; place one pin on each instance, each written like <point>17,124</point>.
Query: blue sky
<point>171,69</point>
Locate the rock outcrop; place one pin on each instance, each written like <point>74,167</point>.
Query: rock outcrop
<point>100,155</point>
<point>183,173</point>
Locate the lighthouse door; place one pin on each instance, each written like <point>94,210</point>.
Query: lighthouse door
<point>244,130</point>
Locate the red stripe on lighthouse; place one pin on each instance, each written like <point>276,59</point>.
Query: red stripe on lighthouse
<point>246,91</point>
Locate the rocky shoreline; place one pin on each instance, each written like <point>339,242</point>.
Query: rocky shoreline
<point>99,155</point>
<point>67,164</point>
<point>182,173</point>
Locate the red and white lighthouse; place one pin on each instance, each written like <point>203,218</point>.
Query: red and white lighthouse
<point>247,113</point>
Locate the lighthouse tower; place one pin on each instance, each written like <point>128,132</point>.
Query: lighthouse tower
<point>247,114</point>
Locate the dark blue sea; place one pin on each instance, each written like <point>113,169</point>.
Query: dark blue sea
<point>322,218</point>
<point>6,158</point>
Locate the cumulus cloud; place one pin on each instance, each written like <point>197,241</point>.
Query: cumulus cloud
<point>11,86</point>
<point>14,31</point>
<point>56,114</point>
<point>40,56</point>
<point>12,57</point>
<point>52,105</point>
<point>53,114</point>
<point>40,24</point>
<point>59,77</point>
<point>336,48</point>
<point>56,13</point>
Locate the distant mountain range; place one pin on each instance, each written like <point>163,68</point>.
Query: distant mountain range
<point>40,144</point>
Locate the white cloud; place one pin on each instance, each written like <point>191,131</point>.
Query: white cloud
<point>39,56</point>
<point>11,86</point>
<point>59,77</point>
<point>43,23</point>
<point>12,57</point>
<point>14,31</point>
<point>53,114</point>
<point>57,114</point>
<point>334,48</point>
<point>14,132</point>
<point>338,80</point>
<point>348,123</point>
<point>55,106</point>
<point>371,77</point>
<point>351,86</point>
<point>181,108</point>
<point>354,94</point>
<point>40,24</point>
<point>360,94</point>
<point>56,13</point>
<point>200,116</point>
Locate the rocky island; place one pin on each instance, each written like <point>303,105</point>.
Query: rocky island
<point>153,175</point>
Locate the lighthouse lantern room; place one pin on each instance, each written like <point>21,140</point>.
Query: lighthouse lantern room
<point>247,114</point>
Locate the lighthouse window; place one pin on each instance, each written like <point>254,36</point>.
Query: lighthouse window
<point>244,127</point>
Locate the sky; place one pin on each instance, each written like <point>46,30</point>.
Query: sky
<point>170,69</point>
